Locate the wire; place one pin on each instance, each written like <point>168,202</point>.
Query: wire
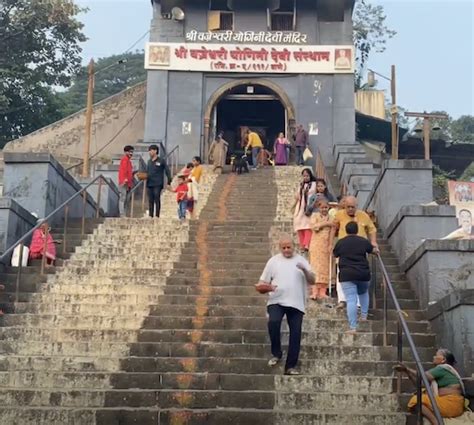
<point>111,140</point>
<point>136,42</point>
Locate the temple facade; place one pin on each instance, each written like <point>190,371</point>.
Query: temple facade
<point>267,65</point>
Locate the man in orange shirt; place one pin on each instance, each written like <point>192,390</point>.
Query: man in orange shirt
<point>366,229</point>
<point>125,179</point>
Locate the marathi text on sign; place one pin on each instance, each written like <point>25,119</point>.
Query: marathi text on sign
<point>276,37</point>
<point>251,58</point>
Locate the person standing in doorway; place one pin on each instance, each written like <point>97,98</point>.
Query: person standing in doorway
<point>254,143</point>
<point>366,229</point>
<point>301,143</point>
<point>285,279</point>
<point>354,272</point>
<point>218,153</point>
<point>280,150</point>
<point>157,169</point>
<point>125,179</point>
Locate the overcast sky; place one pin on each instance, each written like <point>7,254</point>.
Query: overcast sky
<point>433,48</point>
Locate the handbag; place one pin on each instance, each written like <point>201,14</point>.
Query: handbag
<point>307,154</point>
<point>142,175</point>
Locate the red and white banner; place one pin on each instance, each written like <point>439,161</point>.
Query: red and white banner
<point>255,58</point>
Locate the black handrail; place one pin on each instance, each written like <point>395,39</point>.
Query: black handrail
<point>5,256</point>
<point>403,327</point>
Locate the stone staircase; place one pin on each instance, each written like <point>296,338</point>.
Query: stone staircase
<point>150,324</point>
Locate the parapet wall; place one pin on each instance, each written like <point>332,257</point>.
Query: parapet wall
<point>116,121</point>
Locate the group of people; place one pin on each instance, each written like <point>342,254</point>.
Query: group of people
<point>261,156</point>
<point>157,176</point>
<point>319,220</point>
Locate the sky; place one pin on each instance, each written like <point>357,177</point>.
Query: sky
<point>433,49</point>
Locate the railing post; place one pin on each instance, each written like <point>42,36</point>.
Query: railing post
<point>97,214</point>
<point>419,412</point>
<point>132,202</point>
<point>143,196</point>
<point>374,281</point>
<point>18,275</point>
<point>83,224</point>
<point>385,312</point>
<point>399,354</point>
<point>45,247</point>
<point>66,217</point>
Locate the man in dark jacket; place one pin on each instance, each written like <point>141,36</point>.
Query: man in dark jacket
<point>156,171</point>
<point>301,142</point>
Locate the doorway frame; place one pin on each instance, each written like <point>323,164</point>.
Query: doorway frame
<point>222,91</point>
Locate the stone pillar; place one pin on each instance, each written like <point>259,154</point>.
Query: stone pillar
<point>15,221</point>
<point>40,184</point>
<point>415,223</point>
<point>400,183</point>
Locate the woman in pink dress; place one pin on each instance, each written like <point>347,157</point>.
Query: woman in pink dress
<point>37,247</point>
<point>301,221</point>
<point>280,150</point>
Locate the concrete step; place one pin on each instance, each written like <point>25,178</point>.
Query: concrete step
<point>151,416</point>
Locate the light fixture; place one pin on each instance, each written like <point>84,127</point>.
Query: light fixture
<point>177,14</point>
<point>371,81</point>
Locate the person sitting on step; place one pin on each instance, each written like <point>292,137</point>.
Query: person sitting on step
<point>446,384</point>
<point>42,245</point>
<point>285,279</point>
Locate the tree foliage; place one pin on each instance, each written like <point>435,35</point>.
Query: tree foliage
<point>462,129</point>
<point>371,34</point>
<point>111,77</point>
<point>39,48</point>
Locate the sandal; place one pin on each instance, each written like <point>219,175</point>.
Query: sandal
<point>292,372</point>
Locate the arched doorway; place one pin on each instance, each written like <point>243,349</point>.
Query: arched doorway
<point>257,104</point>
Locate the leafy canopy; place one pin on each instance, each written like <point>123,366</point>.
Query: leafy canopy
<point>39,48</point>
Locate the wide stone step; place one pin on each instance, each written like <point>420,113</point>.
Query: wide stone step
<point>150,416</point>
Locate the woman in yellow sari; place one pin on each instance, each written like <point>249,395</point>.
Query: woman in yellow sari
<point>446,384</point>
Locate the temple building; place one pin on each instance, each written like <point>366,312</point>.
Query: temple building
<point>268,65</point>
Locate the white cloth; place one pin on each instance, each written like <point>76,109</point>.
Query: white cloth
<point>290,281</point>
<point>16,256</point>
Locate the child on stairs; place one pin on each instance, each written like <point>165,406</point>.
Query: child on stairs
<point>181,197</point>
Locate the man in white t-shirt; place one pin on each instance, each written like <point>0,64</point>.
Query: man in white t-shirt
<point>285,279</point>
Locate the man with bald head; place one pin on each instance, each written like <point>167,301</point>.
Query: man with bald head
<point>285,279</point>
<point>366,229</point>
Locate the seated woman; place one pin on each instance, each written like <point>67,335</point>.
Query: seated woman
<point>37,247</point>
<point>446,384</point>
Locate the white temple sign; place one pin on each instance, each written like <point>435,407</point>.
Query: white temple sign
<point>250,58</point>
<point>273,37</point>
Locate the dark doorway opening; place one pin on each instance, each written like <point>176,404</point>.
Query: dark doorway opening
<point>250,106</point>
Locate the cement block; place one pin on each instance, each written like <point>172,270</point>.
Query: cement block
<point>413,224</point>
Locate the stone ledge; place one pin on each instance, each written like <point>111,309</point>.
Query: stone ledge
<point>11,204</point>
<point>354,161</point>
<point>437,245</point>
<point>398,164</point>
<point>341,146</point>
<point>420,211</point>
<point>449,302</point>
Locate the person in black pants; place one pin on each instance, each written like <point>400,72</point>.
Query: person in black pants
<point>156,171</point>
<point>285,279</point>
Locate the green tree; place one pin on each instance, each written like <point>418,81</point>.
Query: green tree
<point>371,34</point>
<point>462,129</point>
<point>39,48</point>
<point>111,77</point>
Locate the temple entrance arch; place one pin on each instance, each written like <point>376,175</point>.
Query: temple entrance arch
<point>247,103</point>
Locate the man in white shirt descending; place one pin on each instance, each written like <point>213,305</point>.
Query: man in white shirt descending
<point>285,279</point>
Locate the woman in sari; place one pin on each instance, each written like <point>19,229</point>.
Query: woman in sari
<point>280,150</point>
<point>320,250</point>
<point>37,247</point>
<point>302,222</point>
<point>446,384</point>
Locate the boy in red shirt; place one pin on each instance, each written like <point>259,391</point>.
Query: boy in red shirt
<point>125,179</point>
<point>181,197</point>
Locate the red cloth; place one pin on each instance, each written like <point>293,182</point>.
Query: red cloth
<point>126,172</point>
<point>37,245</point>
<point>181,192</point>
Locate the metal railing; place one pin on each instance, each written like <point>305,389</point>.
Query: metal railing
<point>402,329</point>
<point>5,257</point>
